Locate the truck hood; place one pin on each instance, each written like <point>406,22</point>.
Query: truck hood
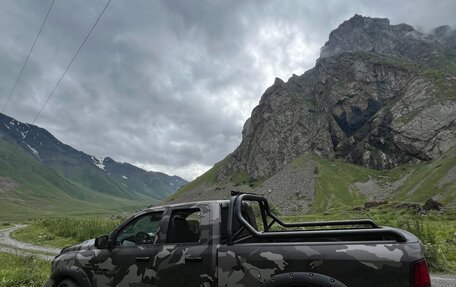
<point>86,245</point>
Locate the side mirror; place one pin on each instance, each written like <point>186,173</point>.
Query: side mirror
<point>102,242</point>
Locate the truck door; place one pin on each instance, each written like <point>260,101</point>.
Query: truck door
<point>186,257</point>
<point>130,261</point>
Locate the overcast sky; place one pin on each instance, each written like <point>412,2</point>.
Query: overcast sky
<point>167,85</point>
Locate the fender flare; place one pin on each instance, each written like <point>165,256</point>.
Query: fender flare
<point>73,272</point>
<point>303,278</point>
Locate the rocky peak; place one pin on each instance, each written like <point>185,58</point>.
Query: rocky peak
<point>445,35</point>
<point>376,35</point>
<point>278,85</point>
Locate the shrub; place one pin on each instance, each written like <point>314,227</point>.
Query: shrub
<point>79,228</point>
<point>434,249</point>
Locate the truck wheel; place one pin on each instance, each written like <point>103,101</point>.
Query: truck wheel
<point>68,283</point>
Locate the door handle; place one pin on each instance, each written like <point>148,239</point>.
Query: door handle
<point>194,259</point>
<point>145,258</point>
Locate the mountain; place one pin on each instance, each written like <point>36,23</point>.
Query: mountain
<point>375,118</point>
<point>154,184</point>
<point>35,165</point>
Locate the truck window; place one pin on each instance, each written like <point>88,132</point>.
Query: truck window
<point>184,226</point>
<point>142,230</point>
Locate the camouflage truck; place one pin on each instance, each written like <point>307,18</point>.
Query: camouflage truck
<point>241,242</point>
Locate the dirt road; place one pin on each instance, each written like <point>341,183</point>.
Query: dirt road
<point>10,245</point>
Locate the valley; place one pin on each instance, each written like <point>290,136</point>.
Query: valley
<point>41,176</point>
<point>368,132</point>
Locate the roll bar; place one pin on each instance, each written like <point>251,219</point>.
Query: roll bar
<point>235,210</point>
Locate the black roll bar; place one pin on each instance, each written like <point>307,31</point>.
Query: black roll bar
<point>235,209</point>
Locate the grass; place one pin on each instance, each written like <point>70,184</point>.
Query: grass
<point>19,271</point>
<point>425,181</point>
<point>242,178</point>
<point>335,178</point>
<point>65,231</point>
<point>438,76</point>
<point>30,271</point>
<point>207,178</point>
<point>332,186</point>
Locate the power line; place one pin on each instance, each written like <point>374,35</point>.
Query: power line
<point>28,56</point>
<point>72,60</point>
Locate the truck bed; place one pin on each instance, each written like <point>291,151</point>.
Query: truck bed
<point>357,264</point>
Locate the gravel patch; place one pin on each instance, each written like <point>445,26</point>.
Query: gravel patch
<point>378,190</point>
<point>443,280</point>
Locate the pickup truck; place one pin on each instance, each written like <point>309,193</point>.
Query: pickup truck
<point>241,242</point>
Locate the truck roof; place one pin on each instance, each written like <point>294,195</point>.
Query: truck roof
<point>187,204</point>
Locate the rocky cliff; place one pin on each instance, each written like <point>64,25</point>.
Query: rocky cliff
<point>380,96</point>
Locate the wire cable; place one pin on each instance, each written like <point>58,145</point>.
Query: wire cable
<point>28,56</point>
<point>72,60</point>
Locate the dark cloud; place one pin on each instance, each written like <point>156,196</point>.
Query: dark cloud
<point>168,84</point>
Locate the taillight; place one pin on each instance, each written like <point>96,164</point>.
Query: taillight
<point>420,275</point>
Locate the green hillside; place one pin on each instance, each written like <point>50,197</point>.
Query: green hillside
<point>208,178</point>
<point>423,181</point>
<point>78,174</point>
<point>335,182</point>
<point>90,177</point>
<point>437,178</point>
<point>29,188</point>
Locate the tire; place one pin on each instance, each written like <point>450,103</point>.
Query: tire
<point>68,283</point>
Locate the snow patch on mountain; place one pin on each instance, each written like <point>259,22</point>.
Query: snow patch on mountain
<point>35,152</point>
<point>98,161</point>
